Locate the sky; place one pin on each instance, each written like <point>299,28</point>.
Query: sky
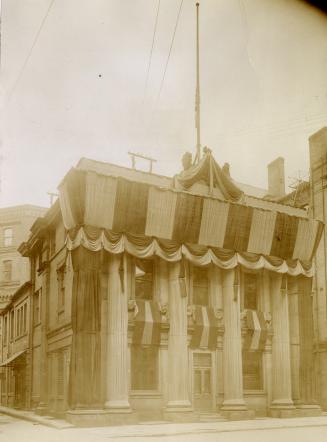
<point>80,89</point>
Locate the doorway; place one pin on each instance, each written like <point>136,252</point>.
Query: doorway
<point>202,381</point>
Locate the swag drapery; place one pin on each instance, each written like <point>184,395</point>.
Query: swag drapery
<point>137,208</point>
<point>95,239</point>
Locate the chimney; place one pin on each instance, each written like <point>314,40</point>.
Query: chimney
<point>276,178</point>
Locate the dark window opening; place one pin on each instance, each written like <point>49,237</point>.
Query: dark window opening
<point>200,286</point>
<point>144,363</point>
<point>252,370</point>
<point>144,279</point>
<point>250,291</point>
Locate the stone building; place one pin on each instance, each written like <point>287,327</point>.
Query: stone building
<point>157,297</point>
<point>15,223</point>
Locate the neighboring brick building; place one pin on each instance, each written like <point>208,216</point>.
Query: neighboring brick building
<point>15,224</point>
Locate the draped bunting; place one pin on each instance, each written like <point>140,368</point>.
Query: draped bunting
<point>142,247</point>
<point>147,323</point>
<point>257,333</point>
<point>206,328</point>
<point>209,171</point>
<point>84,379</point>
<point>123,206</point>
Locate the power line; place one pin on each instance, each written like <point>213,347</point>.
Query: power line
<point>170,49</point>
<point>151,52</point>
<point>31,50</point>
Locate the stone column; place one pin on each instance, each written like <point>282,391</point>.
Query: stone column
<point>294,338</point>
<point>282,404</point>
<point>216,301</point>
<point>117,403</point>
<point>267,363</point>
<point>233,406</point>
<point>178,406</point>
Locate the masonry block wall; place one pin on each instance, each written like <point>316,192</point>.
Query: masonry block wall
<point>318,173</point>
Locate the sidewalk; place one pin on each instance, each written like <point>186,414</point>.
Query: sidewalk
<point>170,429</point>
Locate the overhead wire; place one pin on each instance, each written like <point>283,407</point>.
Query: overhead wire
<point>30,51</point>
<point>151,52</point>
<point>170,49</point>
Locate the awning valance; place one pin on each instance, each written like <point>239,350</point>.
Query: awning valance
<point>123,206</point>
<point>12,358</point>
<point>95,239</point>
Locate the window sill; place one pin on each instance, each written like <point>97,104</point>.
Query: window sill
<point>254,393</point>
<point>145,393</point>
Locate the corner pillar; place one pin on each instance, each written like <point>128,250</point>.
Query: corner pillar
<point>233,406</point>
<point>282,404</point>
<point>178,407</point>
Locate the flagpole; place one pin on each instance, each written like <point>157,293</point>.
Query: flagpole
<point>197,94</point>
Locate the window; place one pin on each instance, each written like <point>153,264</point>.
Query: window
<point>7,237</point>
<point>250,281</point>
<point>252,370</point>
<point>144,279</point>
<point>21,320</point>
<point>12,324</point>
<point>61,287</point>
<point>5,330</point>
<point>7,270</point>
<point>144,363</point>
<point>37,307</point>
<point>200,286</point>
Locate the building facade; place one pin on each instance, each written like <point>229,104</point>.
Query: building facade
<point>15,223</point>
<point>153,297</point>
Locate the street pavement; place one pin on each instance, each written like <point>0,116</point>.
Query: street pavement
<point>259,430</point>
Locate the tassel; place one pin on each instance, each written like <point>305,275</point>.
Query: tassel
<point>182,279</point>
<point>283,287</point>
<point>121,273</point>
<point>236,284</point>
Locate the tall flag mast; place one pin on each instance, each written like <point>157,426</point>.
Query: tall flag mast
<point>197,94</point>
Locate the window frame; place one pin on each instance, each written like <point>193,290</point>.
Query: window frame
<point>7,279</point>
<point>156,385</point>
<point>153,281</point>
<point>193,271</point>
<point>8,237</point>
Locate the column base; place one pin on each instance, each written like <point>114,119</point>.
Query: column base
<point>42,409</point>
<point>236,411</point>
<point>283,410</point>
<point>180,412</point>
<point>100,418</point>
<point>309,410</point>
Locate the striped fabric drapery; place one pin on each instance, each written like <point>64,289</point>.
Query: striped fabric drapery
<point>205,329</point>
<point>256,336</point>
<point>143,247</point>
<point>147,323</point>
<point>120,205</point>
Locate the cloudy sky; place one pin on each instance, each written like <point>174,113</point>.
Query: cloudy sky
<point>80,88</point>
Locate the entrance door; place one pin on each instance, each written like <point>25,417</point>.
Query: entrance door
<point>202,388</point>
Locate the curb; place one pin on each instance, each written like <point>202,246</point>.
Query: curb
<point>48,421</point>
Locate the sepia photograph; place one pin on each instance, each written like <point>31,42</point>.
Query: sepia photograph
<point>163,249</point>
